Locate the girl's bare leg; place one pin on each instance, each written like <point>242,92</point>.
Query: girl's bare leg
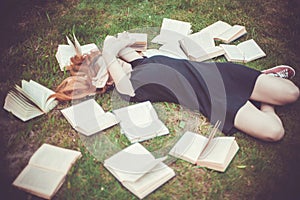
<point>265,123</point>
<point>274,90</point>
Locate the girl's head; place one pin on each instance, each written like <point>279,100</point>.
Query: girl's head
<point>82,70</point>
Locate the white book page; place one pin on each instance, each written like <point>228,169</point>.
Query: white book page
<point>216,28</point>
<point>173,48</point>
<point>138,114</point>
<point>131,163</point>
<point>20,108</point>
<point>39,94</point>
<point>160,174</point>
<point>144,131</point>
<point>231,34</point>
<point>189,146</point>
<point>39,181</point>
<point>232,52</point>
<point>203,39</point>
<point>172,30</point>
<point>155,52</point>
<point>220,150</point>
<point>251,50</point>
<point>181,27</point>
<point>79,113</point>
<point>87,48</point>
<point>63,55</point>
<point>54,158</point>
<point>97,123</point>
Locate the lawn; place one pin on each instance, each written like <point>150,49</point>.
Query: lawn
<point>31,33</point>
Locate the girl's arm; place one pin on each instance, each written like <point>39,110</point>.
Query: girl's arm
<point>111,49</point>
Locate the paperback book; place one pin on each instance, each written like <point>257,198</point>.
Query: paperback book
<point>138,170</point>
<point>212,152</point>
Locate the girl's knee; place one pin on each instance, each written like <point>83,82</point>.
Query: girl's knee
<point>274,133</point>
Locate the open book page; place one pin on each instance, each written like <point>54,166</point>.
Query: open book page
<point>216,28</point>
<point>19,106</point>
<point>221,154</point>
<point>65,52</point>
<point>243,52</point>
<point>232,53</point>
<point>175,49</point>
<point>140,43</point>
<point>131,163</point>
<point>39,94</point>
<point>140,122</point>
<point>200,46</point>
<point>99,122</point>
<point>139,113</point>
<point>159,175</point>
<point>155,52</point>
<point>39,181</point>
<point>142,132</point>
<point>251,50</point>
<point>232,34</point>
<point>88,117</point>
<point>189,147</point>
<point>54,158</point>
<point>172,31</point>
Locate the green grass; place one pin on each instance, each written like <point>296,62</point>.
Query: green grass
<point>33,57</point>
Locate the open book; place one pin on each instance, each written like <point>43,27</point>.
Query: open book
<point>67,51</point>
<point>212,152</point>
<point>46,170</point>
<point>29,101</point>
<point>88,117</point>
<point>140,43</point>
<point>171,31</point>
<point>200,47</point>
<point>225,32</point>
<point>243,52</point>
<point>138,170</point>
<point>140,122</point>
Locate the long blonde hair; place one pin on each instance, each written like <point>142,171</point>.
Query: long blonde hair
<point>79,84</point>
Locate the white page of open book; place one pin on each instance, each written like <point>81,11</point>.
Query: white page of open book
<point>20,108</point>
<point>132,163</point>
<point>139,114</point>
<point>189,146</point>
<point>216,28</point>
<point>251,50</point>
<point>220,150</point>
<point>39,94</point>
<point>232,52</point>
<point>54,158</point>
<point>39,181</point>
<point>232,33</point>
<point>160,174</point>
<point>181,27</point>
<point>88,117</point>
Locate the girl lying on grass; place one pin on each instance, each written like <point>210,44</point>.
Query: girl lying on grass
<point>240,97</point>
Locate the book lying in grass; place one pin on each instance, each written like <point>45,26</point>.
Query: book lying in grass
<point>46,170</point>
<point>225,32</point>
<point>140,43</point>
<point>88,117</point>
<point>138,170</point>
<point>171,31</point>
<point>243,52</point>
<point>200,47</point>
<point>140,122</point>
<point>174,49</point>
<point>29,101</point>
<point>67,51</point>
<point>213,152</point>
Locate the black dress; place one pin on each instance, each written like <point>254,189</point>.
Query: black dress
<point>217,90</point>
